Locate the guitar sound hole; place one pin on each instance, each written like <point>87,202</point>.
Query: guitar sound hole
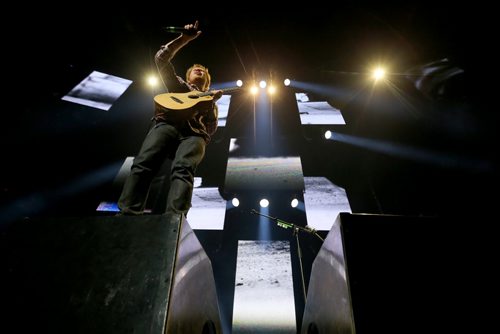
<point>176,99</point>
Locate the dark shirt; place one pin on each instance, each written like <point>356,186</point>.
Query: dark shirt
<point>204,122</point>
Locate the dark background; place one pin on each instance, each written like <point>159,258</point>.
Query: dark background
<point>60,159</point>
<point>49,146</point>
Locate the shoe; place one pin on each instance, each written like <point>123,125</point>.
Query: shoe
<point>125,213</point>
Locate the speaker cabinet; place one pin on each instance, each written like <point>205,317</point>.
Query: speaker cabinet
<point>146,274</point>
<point>391,274</point>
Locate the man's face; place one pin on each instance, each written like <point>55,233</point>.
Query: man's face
<point>197,75</point>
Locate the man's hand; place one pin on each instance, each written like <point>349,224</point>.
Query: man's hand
<point>217,94</point>
<point>193,31</point>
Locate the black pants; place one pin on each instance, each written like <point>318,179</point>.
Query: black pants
<point>163,141</point>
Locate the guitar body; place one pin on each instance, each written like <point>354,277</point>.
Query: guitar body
<point>183,101</point>
<point>183,106</point>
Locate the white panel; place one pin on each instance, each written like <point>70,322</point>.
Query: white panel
<point>98,90</point>
<point>323,201</point>
<point>317,112</point>
<point>223,109</point>
<point>276,173</point>
<point>208,209</point>
<point>263,296</point>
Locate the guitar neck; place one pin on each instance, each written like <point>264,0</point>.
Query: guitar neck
<point>225,90</point>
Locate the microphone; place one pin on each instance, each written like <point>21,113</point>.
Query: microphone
<point>181,30</point>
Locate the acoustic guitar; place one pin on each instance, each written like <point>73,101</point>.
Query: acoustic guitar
<point>185,105</point>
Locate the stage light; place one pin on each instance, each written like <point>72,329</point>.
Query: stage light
<point>294,203</point>
<point>262,84</point>
<point>235,202</point>
<point>264,203</point>
<point>239,83</point>
<point>254,90</point>
<point>152,81</point>
<point>328,134</point>
<point>271,90</point>
<point>378,73</point>
<point>286,82</point>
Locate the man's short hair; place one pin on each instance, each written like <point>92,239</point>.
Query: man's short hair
<point>208,79</point>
